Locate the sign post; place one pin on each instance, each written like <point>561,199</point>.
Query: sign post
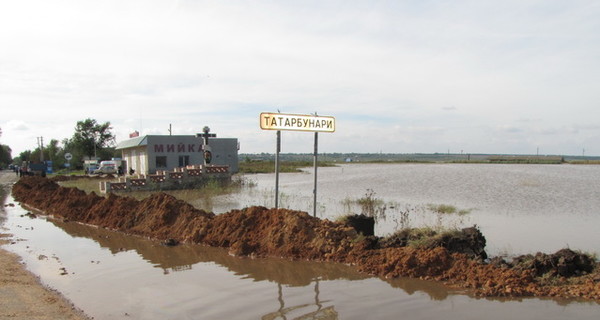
<point>315,165</point>
<point>68,157</point>
<point>277,151</point>
<point>296,122</point>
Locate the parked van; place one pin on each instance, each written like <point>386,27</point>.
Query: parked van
<point>108,166</point>
<point>89,166</point>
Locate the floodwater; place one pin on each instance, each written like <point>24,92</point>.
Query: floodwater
<point>519,208</point>
<point>114,276</point>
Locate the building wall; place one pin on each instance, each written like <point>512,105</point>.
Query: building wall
<point>169,152</point>
<point>132,160</point>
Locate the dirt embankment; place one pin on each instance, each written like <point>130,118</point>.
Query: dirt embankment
<point>258,232</point>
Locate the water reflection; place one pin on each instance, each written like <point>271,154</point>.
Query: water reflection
<point>435,290</point>
<point>325,313</point>
<point>180,258</point>
<point>282,271</point>
<point>4,191</point>
<point>183,257</point>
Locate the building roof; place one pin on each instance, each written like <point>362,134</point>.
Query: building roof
<point>143,140</point>
<point>131,143</point>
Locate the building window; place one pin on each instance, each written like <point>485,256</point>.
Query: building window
<point>161,162</point>
<point>184,161</point>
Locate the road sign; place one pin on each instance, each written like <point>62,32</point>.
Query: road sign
<point>68,156</point>
<point>296,122</point>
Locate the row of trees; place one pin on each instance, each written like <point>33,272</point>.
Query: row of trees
<point>91,140</point>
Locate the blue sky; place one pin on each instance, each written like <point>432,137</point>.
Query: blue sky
<point>399,76</point>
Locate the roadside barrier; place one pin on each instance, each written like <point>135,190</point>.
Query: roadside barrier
<point>187,177</point>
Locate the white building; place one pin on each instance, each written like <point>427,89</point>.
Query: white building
<point>147,154</point>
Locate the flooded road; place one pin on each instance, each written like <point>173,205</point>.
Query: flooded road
<point>114,276</point>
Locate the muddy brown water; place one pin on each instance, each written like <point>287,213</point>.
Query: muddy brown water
<point>519,208</point>
<point>114,276</point>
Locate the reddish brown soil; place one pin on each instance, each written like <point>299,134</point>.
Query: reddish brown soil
<point>260,232</point>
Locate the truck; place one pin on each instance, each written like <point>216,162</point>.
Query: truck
<point>33,169</point>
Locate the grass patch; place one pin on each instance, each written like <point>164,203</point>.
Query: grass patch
<point>447,209</point>
<point>584,162</point>
<point>421,238</point>
<point>369,204</point>
<point>86,184</point>
<point>429,238</point>
<point>262,166</point>
<point>68,172</point>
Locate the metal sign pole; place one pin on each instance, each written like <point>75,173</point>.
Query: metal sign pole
<point>296,122</point>
<point>278,149</point>
<point>315,164</point>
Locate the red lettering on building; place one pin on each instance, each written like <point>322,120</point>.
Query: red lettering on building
<point>181,148</point>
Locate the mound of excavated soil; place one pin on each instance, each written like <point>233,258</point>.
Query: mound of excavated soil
<point>258,231</point>
<point>469,241</point>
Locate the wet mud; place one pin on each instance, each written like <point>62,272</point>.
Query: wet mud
<point>262,232</point>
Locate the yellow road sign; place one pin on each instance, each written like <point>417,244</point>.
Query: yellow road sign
<point>296,122</point>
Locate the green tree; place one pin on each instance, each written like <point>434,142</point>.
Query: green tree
<point>25,155</point>
<point>52,152</point>
<point>91,139</point>
<point>56,154</point>
<point>5,151</point>
<point>5,157</point>
<point>34,155</point>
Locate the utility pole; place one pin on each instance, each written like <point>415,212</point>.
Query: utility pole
<point>40,141</point>
<point>95,155</point>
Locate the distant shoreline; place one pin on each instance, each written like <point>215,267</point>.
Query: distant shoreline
<point>425,157</point>
<point>292,162</point>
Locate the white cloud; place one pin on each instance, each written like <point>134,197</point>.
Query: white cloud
<point>468,69</point>
<point>16,125</point>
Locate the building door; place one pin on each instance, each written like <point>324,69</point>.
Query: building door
<point>143,162</point>
<point>184,161</point>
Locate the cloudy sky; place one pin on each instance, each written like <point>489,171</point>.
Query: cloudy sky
<point>399,76</point>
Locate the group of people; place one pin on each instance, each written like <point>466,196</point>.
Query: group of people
<point>21,171</point>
